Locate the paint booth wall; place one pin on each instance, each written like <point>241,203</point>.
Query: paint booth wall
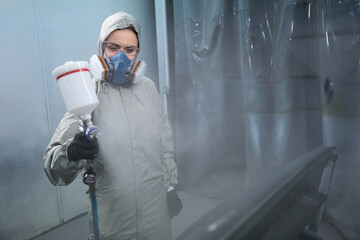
<point>260,83</point>
<point>36,37</point>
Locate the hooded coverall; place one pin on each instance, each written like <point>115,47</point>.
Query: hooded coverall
<point>135,164</point>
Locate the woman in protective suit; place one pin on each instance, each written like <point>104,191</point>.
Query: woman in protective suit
<point>134,157</point>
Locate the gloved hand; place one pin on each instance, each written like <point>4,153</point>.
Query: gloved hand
<point>82,148</point>
<point>174,203</point>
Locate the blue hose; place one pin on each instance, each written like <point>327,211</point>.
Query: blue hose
<point>94,212</point>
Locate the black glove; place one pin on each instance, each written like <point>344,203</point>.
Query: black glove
<point>174,203</point>
<point>82,148</point>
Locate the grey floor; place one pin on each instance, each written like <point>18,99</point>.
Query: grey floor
<point>195,206</point>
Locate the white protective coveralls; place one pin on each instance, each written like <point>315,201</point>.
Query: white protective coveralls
<point>135,165</point>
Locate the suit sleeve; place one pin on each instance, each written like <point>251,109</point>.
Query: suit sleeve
<point>169,165</point>
<point>167,144</point>
<point>168,162</point>
<point>58,168</point>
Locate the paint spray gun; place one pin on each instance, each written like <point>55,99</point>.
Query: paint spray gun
<point>80,99</point>
<point>86,125</point>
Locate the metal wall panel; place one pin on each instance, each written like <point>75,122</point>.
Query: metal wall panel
<point>38,36</point>
<point>25,192</point>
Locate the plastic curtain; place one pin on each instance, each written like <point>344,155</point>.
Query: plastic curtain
<point>260,83</point>
<point>339,48</point>
<point>281,86</point>
<point>248,96</point>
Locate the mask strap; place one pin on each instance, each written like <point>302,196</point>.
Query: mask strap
<point>131,65</point>
<point>135,57</point>
<point>110,66</point>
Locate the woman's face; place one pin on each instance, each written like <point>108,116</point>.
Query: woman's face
<point>121,40</point>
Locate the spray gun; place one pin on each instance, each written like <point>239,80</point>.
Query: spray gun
<point>89,177</point>
<point>80,99</point>
<point>86,125</point>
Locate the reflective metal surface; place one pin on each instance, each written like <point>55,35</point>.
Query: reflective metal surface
<point>277,208</point>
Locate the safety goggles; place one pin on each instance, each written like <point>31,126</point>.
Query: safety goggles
<point>113,48</point>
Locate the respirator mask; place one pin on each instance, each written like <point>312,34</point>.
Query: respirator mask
<point>118,69</point>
